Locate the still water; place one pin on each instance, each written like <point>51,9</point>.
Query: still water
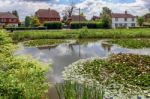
<point>64,54</point>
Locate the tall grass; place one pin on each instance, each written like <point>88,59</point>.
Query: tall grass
<point>81,33</point>
<point>72,90</point>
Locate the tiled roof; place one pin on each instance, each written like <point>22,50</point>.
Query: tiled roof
<point>122,15</point>
<point>7,15</point>
<point>47,13</point>
<point>77,18</point>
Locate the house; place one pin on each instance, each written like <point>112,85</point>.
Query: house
<point>46,15</point>
<point>123,20</point>
<point>77,18</point>
<point>7,18</point>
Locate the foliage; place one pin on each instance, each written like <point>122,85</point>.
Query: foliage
<point>20,77</point>
<point>123,73</point>
<point>35,21</point>
<point>132,43</point>
<point>28,20</point>
<point>53,25</point>
<point>74,90</point>
<point>140,21</point>
<point>43,42</point>
<point>106,17</point>
<point>90,25</point>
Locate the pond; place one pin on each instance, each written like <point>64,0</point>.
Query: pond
<point>62,55</point>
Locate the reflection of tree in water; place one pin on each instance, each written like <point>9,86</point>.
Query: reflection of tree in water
<point>72,48</point>
<point>106,46</point>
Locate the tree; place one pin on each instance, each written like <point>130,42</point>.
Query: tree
<point>28,20</point>
<point>15,13</point>
<point>106,17</point>
<point>67,13</point>
<point>140,21</point>
<point>35,21</point>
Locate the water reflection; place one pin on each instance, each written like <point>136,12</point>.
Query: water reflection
<point>64,54</point>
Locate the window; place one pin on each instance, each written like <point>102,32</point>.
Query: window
<point>125,19</point>
<point>125,25</point>
<point>132,19</point>
<point>120,24</point>
<point>116,25</point>
<point>116,19</point>
<point>133,24</point>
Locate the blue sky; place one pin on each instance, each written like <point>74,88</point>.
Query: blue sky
<point>90,7</point>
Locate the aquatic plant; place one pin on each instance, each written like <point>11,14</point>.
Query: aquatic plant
<point>132,43</point>
<point>120,75</point>
<point>74,90</point>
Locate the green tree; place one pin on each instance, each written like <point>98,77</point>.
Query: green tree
<point>106,17</point>
<point>35,21</point>
<point>28,21</point>
<point>140,21</point>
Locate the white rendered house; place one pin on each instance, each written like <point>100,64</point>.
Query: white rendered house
<point>123,20</point>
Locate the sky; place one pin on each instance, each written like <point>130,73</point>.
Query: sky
<point>88,7</point>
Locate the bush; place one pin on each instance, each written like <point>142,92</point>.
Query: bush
<point>20,77</point>
<point>77,25</point>
<point>25,28</point>
<point>89,25</point>
<point>53,25</point>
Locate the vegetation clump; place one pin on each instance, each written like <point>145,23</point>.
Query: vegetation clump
<point>132,43</point>
<point>43,42</point>
<point>124,74</point>
<point>20,77</point>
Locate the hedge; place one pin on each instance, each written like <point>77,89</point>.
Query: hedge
<point>90,25</point>
<point>53,25</point>
<point>25,28</point>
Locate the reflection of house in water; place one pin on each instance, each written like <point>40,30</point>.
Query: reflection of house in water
<point>106,46</point>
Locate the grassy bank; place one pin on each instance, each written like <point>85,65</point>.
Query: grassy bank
<point>132,43</point>
<point>81,33</point>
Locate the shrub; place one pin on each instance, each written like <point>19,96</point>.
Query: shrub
<point>53,25</point>
<point>20,77</point>
<point>77,25</point>
<point>89,25</point>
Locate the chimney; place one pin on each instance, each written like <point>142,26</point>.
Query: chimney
<point>126,12</point>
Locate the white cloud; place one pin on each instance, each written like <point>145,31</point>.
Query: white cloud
<point>89,7</point>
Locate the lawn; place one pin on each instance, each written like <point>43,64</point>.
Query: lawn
<point>81,33</point>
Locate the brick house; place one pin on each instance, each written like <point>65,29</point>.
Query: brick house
<point>7,18</point>
<point>123,20</point>
<point>46,15</point>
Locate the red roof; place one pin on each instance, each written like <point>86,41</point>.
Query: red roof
<point>122,15</point>
<point>7,15</point>
<point>47,13</point>
<point>77,18</point>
